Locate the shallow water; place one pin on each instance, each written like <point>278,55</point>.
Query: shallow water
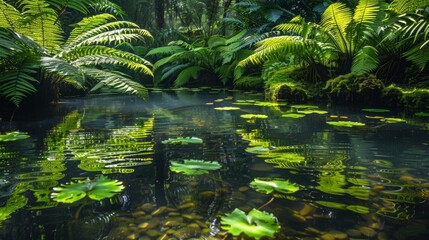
<point>368,182</point>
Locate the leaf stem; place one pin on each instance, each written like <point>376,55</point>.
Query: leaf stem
<point>267,203</point>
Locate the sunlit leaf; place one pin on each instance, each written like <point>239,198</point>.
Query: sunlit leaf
<point>393,120</point>
<point>13,136</point>
<point>227,108</point>
<point>99,188</point>
<point>348,124</point>
<point>256,224</point>
<point>253,116</point>
<point>183,141</point>
<point>268,185</point>
<point>257,149</point>
<point>293,115</point>
<point>194,167</point>
<point>312,111</point>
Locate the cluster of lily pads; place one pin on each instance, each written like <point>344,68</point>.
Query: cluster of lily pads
<point>13,136</point>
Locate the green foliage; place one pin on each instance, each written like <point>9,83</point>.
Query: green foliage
<point>395,96</point>
<point>253,116</point>
<point>194,167</point>
<point>267,186</point>
<point>13,136</point>
<point>256,224</point>
<point>376,110</point>
<point>183,141</point>
<point>15,202</point>
<point>347,124</point>
<point>393,120</point>
<point>404,6</point>
<point>99,188</point>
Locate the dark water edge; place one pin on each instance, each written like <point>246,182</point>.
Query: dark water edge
<point>371,182</point>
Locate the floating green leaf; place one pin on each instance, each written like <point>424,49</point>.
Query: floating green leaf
<point>293,115</point>
<point>184,141</point>
<point>376,110</point>
<point>300,107</point>
<point>227,108</point>
<point>312,111</point>
<point>253,116</point>
<point>194,167</point>
<point>393,120</point>
<point>256,224</point>
<point>422,114</point>
<point>346,124</point>
<point>99,188</point>
<point>269,185</point>
<point>13,136</point>
<point>269,104</point>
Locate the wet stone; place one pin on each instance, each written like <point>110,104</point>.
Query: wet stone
<point>353,233</point>
<point>153,223</point>
<point>312,230</point>
<point>172,223</point>
<point>368,232</point>
<point>339,235</point>
<point>148,207</point>
<point>173,214</point>
<point>382,236</point>
<point>143,225</point>
<point>327,236</point>
<point>244,189</point>
<point>159,212</point>
<point>186,206</point>
<point>207,194</point>
<point>132,236</point>
<point>153,233</point>
<point>138,214</point>
<point>298,218</point>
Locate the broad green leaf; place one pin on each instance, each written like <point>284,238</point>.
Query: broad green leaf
<point>253,116</point>
<point>256,224</point>
<point>183,141</point>
<point>194,167</point>
<point>422,114</point>
<point>293,115</point>
<point>13,136</point>
<point>312,111</point>
<point>99,188</point>
<point>227,108</point>
<point>393,120</point>
<point>268,185</point>
<point>348,124</point>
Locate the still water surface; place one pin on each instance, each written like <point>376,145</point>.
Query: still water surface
<point>368,182</point>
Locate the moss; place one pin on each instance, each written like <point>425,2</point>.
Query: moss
<point>395,96</point>
<point>290,92</point>
<point>392,96</point>
<point>354,88</point>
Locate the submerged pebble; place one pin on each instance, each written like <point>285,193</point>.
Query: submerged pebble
<point>367,231</point>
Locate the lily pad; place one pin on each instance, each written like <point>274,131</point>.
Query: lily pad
<point>194,167</point>
<point>422,114</point>
<point>253,116</point>
<point>183,141</point>
<point>293,115</point>
<point>267,186</point>
<point>227,108</point>
<point>13,136</point>
<point>99,188</point>
<point>393,120</point>
<point>256,224</point>
<point>376,110</point>
<point>374,117</point>
<point>348,124</point>
<point>312,111</point>
<point>269,104</point>
<point>300,107</point>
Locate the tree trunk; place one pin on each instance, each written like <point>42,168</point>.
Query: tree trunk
<point>159,14</point>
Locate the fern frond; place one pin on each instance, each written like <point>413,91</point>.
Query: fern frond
<point>117,81</point>
<point>41,23</point>
<point>366,12</point>
<point>295,25</point>
<point>407,6</point>
<point>64,71</point>
<point>170,71</point>
<point>87,24</point>
<point>108,7</point>
<point>78,5</point>
<point>418,56</point>
<point>118,32</point>
<point>16,82</point>
<point>249,81</point>
<point>366,60</point>
<point>186,75</point>
<point>335,21</point>
<point>10,17</point>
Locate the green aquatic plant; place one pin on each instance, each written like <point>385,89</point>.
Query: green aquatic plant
<point>376,110</point>
<point>348,124</point>
<point>293,115</point>
<point>183,141</point>
<point>99,188</point>
<point>15,202</point>
<point>227,108</point>
<point>269,185</point>
<point>253,116</point>
<point>257,149</point>
<point>194,167</point>
<point>312,111</point>
<point>422,114</point>
<point>393,120</point>
<point>256,224</point>
<point>13,136</point>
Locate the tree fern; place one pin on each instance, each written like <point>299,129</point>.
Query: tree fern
<point>78,5</point>
<point>10,17</point>
<point>105,6</point>
<point>187,74</point>
<point>407,6</point>
<point>88,24</point>
<point>334,22</point>
<point>63,71</point>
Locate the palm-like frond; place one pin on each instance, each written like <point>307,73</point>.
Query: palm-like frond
<point>9,16</point>
<point>117,81</point>
<point>165,50</point>
<point>16,82</point>
<point>41,22</point>
<point>78,5</point>
<point>63,71</point>
<point>88,24</point>
<point>335,21</point>
<point>187,74</point>
<point>171,71</point>
<point>109,7</point>
<point>366,14</point>
<point>366,60</point>
<point>295,25</point>
<point>408,6</point>
<point>113,32</point>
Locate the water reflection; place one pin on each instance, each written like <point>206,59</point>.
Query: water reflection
<point>368,182</point>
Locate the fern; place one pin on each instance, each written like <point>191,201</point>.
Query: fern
<point>170,71</point>
<point>335,21</point>
<point>78,5</point>
<point>108,7</point>
<point>9,16</point>
<point>186,75</point>
<point>366,60</point>
<point>407,6</point>
<point>117,81</point>
<point>63,71</point>
<point>88,24</point>
<point>165,50</point>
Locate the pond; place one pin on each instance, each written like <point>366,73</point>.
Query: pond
<point>329,173</point>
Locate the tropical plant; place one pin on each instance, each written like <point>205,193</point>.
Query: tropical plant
<point>267,186</point>
<point>32,37</point>
<point>256,224</point>
<point>99,188</point>
<point>183,141</point>
<point>337,42</point>
<point>13,136</point>
<point>215,58</point>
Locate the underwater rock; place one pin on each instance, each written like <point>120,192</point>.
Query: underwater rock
<point>173,214</point>
<point>159,212</point>
<point>153,233</point>
<point>186,205</point>
<point>339,235</point>
<point>307,210</point>
<point>243,189</point>
<point>148,207</point>
<point>327,236</point>
<point>172,223</point>
<point>132,236</point>
<point>298,218</point>
<point>354,233</point>
<point>367,231</point>
<point>382,236</point>
<point>143,225</point>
